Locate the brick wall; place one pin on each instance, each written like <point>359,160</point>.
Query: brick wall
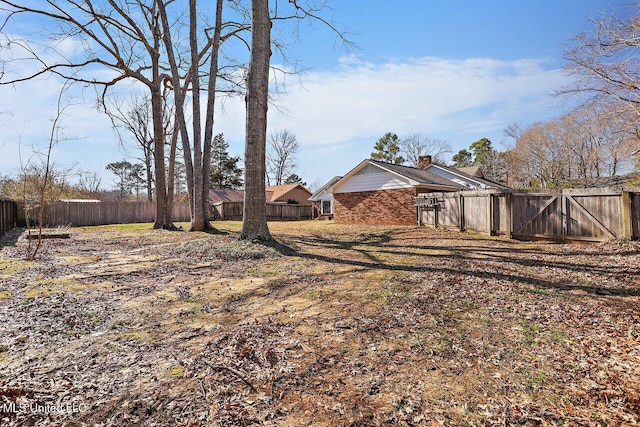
<point>375,207</point>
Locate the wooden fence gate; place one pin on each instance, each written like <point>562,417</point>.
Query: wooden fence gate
<point>571,214</point>
<point>585,214</point>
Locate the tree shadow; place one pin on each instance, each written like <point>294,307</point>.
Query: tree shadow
<point>11,237</point>
<point>342,253</point>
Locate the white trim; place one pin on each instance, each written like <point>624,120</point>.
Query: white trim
<point>373,181</point>
<point>401,181</point>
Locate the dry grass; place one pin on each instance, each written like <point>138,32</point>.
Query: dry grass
<point>336,325</point>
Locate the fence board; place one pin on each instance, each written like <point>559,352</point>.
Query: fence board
<point>592,217</point>
<point>635,215</point>
<point>500,222</point>
<point>8,215</point>
<point>536,215</point>
<point>475,208</point>
<point>578,214</point>
<point>450,210</point>
<point>232,211</point>
<point>78,214</point>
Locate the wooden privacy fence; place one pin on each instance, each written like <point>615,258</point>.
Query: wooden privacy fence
<point>232,211</point>
<point>101,213</point>
<point>8,215</point>
<point>584,214</point>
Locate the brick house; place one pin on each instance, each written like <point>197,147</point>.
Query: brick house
<point>376,192</point>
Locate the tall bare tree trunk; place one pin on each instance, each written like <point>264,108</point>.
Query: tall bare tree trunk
<point>211,103</point>
<point>197,168</point>
<point>162,221</point>
<point>172,171</point>
<point>149,175</point>
<point>198,220</point>
<point>254,221</point>
<point>179,98</point>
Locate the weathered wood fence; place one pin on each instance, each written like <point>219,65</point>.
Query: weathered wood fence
<point>232,211</point>
<point>8,215</point>
<point>101,213</point>
<point>584,214</point>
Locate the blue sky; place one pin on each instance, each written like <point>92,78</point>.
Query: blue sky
<point>454,70</point>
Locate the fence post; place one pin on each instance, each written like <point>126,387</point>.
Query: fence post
<point>490,221</point>
<point>462,214</point>
<point>627,222</point>
<point>509,215</point>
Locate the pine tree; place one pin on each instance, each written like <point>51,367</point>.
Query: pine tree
<point>462,159</point>
<point>387,149</point>
<point>225,172</point>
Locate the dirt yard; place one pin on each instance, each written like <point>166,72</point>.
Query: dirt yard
<point>336,326</point>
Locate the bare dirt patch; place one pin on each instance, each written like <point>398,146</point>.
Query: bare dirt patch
<point>336,325</point>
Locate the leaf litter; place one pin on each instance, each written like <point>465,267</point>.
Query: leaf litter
<point>351,325</point>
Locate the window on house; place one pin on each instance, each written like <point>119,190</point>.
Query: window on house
<point>326,206</point>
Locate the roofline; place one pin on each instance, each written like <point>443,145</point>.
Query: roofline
<point>412,181</point>
<point>479,180</point>
<point>329,184</point>
<point>440,187</point>
<point>374,163</point>
<point>325,188</point>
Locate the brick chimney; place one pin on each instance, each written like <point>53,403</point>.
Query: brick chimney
<point>424,161</point>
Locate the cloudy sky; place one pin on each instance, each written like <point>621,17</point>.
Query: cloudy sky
<point>458,70</point>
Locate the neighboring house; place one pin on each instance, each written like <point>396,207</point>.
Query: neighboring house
<point>221,195</point>
<point>323,199</point>
<point>473,171</point>
<point>225,199</point>
<point>228,204</point>
<point>469,178</point>
<point>290,193</point>
<point>376,192</point>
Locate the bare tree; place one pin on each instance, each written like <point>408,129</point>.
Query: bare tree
<point>124,37</point>
<point>200,75</point>
<point>136,121</point>
<point>281,156</point>
<point>600,138</point>
<point>141,40</point>
<point>254,224</point>
<point>41,181</point>
<point>89,184</point>
<point>538,159</point>
<point>416,145</point>
<point>254,219</point>
<point>606,66</point>
<point>605,61</point>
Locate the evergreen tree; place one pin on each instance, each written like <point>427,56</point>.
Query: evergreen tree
<point>462,159</point>
<point>225,172</point>
<point>295,179</point>
<point>482,151</point>
<point>387,149</point>
<point>129,176</point>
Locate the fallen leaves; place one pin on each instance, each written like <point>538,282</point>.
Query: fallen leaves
<point>355,326</point>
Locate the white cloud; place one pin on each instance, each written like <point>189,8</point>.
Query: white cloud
<point>340,113</point>
<point>430,95</point>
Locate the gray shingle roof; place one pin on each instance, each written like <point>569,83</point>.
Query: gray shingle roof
<point>463,172</point>
<point>422,176</point>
